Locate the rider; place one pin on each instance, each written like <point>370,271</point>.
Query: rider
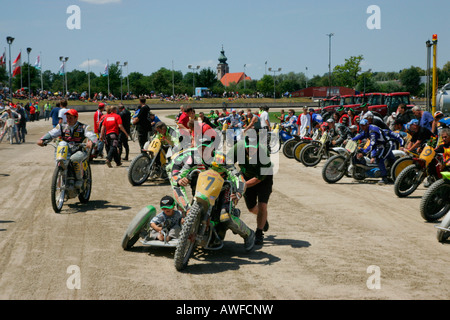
<point>72,132</point>
<point>382,142</point>
<point>204,157</point>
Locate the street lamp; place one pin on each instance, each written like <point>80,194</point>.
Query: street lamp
<point>274,71</point>
<point>10,41</point>
<point>64,60</point>
<point>329,58</point>
<point>29,85</point>
<point>193,76</point>
<point>121,65</point>
<point>244,75</point>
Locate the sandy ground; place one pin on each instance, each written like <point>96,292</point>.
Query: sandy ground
<point>324,242</point>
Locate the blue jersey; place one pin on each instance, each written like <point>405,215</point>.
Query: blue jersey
<point>379,138</point>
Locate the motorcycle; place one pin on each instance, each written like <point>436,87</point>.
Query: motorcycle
<point>312,153</point>
<point>201,226</point>
<point>145,166</point>
<point>426,165</point>
<point>10,130</point>
<point>339,165</point>
<point>139,228</point>
<point>290,142</point>
<point>435,202</point>
<point>63,180</point>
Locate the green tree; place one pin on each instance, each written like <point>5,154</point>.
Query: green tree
<point>346,75</point>
<point>410,78</point>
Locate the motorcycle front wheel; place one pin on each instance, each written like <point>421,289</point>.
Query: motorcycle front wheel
<point>139,170</point>
<point>310,156</point>
<point>442,235</point>
<point>187,241</point>
<point>298,148</point>
<point>399,165</point>
<point>407,181</point>
<point>288,148</point>
<point>435,201</point>
<point>332,171</point>
<point>85,195</point>
<point>58,189</point>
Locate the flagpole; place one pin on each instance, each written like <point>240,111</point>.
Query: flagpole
<point>40,62</point>
<point>21,82</point>
<point>89,81</point>
<point>108,79</point>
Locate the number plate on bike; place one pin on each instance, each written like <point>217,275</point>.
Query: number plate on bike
<point>351,146</point>
<point>427,154</point>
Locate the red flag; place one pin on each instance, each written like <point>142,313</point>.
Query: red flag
<point>17,64</point>
<point>3,60</point>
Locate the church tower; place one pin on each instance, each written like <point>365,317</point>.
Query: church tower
<point>222,67</point>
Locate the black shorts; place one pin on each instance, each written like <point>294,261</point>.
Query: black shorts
<point>259,193</point>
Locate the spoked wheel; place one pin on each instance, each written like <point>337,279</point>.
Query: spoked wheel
<point>399,165</point>
<point>85,195</point>
<point>274,142</point>
<point>298,148</point>
<point>139,225</point>
<point>435,202</point>
<point>310,155</point>
<point>407,181</point>
<point>288,148</point>
<point>187,241</point>
<point>139,170</point>
<point>334,169</point>
<point>58,190</point>
<point>442,235</point>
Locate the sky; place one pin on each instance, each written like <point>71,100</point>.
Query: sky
<point>287,34</point>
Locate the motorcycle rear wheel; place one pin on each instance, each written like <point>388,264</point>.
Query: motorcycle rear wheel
<point>58,189</point>
<point>86,194</point>
<point>443,235</point>
<point>309,155</point>
<point>298,148</point>
<point>273,142</point>
<point>139,224</point>
<point>330,171</point>
<point>435,202</point>
<point>288,148</point>
<point>187,240</point>
<point>138,172</point>
<point>406,182</point>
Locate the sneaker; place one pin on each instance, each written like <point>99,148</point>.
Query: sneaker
<point>108,163</point>
<point>259,237</point>
<point>249,242</point>
<point>119,164</point>
<point>383,182</point>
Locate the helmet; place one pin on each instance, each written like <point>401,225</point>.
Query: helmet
<point>438,114</point>
<point>363,122</point>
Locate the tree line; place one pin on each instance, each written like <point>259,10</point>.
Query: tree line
<point>169,82</point>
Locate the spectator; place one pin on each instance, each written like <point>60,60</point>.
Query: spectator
<point>142,122</point>
<point>125,114</point>
<point>111,126</point>
<point>54,114</point>
<point>425,118</point>
<point>62,112</point>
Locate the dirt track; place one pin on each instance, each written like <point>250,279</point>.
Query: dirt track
<point>321,242</point>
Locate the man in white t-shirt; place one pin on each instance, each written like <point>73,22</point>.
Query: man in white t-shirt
<point>264,118</point>
<point>62,112</point>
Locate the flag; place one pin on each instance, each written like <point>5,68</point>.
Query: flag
<point>37,64</point>
<point>17,65</point>
<point>61,70</point>
<point>3,60</point>
<point>106,72</point>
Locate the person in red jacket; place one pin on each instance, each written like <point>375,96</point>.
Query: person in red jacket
<point>111,125</point>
